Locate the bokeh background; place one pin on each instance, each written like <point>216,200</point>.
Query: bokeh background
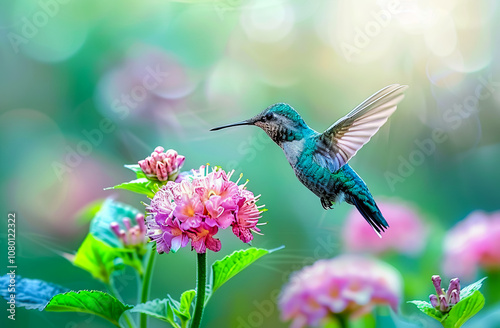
<point>87,86</point>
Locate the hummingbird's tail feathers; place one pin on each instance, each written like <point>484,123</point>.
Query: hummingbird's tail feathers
<point>372,214</point>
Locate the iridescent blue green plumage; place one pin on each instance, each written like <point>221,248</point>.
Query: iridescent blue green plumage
<point>319,160</point>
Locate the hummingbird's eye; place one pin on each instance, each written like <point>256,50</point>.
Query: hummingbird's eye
<point>268,116</point>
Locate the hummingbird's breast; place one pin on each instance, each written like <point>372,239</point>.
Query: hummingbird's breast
<point>317,178</point>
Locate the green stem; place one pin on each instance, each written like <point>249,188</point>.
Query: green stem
<point>201,287</point>
<point>342,320</point>
<point>146,284</point>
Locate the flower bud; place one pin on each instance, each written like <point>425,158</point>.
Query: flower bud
<point>436,281</point>
<point>454,285</point>
<point>164,166</point>
<point>454,297</point>
<point>443,304</point>
<point>139,218</point>
<point>434,300</point>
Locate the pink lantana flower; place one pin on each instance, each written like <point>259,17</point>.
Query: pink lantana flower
<point>347,285</point>
<point>407,233</point>
<point>195,208</point>
<point>471,244</point>
<point>164,166</point>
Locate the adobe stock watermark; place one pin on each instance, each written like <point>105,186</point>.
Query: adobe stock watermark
<point>454,117</point>
<point>31,25</point>
<point>263,309</point>
<point>364,36</point>
<point>122,106</point>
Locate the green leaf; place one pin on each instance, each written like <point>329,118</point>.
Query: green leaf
<point>469,290</point>
<point>94,302</point>
<point>33,294</point>
<point>137,169</point>
<point>428,309</point>
<point>231,265</point>
<point>182,312</point>
<point>111,211</point>
<point>159,309</point>
<point>140,186</point>
<point>464,310</point>
<point>101,260</point>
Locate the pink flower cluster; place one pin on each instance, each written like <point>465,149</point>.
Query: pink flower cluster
<point>473,243</point>
<point>407,233</point>
<point>197,207</point>
<point>444,301</point>
<point>348,285</point>
<point>162,165</point>
<point>132,236</point>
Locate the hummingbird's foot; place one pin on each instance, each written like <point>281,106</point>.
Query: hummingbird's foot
<point>327,205</point>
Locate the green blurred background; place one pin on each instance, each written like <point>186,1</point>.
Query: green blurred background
<point>88,86</point>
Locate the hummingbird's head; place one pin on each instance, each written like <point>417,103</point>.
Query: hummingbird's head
<point>280,121</point>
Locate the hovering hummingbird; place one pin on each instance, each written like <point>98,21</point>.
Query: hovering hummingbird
<point>319,160</point>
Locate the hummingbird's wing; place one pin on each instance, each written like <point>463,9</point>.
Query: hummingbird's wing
<point>341,141</point>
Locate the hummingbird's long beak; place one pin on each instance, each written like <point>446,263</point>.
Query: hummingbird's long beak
<point>247,122</point>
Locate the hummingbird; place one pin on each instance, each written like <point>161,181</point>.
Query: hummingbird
<point>320,160</point>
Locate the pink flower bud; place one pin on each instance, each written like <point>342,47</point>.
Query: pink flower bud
<point>116,228</point>
<point>161,171</point>
<point>434,300</point>
<point>164,166</point>
<point>123,236</point>
<point>454,285</point>
<point>180,161</point>
<point>126,222</point>
<point>139,218</point>
<point>454,297</point>
<point>144,166</point>
<point>436,281</point>
<point>443,304</point>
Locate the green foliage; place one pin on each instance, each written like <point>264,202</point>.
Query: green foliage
<point>184,307</point>
<point>100,259</point>
<point>159,309</point>
<point>231,265</point>
<point>137,170</point>
<point>94,302</point>
<point>469,290</point>
<point>110,211</point>
<point>32,294</point>
<point>471,302</point>
<point>428,309</point>
<point>464,310</point>
<point>140,186</point>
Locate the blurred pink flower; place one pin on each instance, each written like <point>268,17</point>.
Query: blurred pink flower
<point>407,233</point>
<point>147,84</point>
<point>474,242</point>
<point>350,285</point>
<point>195,208</point>
<point>162,165</point>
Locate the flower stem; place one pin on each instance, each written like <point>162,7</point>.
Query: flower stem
<point>200,290</point>
<point>146,284</point>
<point>342,320</point>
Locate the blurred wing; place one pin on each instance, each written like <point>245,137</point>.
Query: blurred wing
<point>341,141</point>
